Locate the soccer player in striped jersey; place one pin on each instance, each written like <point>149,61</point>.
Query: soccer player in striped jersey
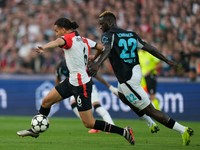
<point>79,84</point>
<point>63,71</point>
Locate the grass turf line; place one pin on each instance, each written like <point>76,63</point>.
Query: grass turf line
<point>70,134</point>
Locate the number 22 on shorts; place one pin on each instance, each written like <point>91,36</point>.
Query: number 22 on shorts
<point>131,98</point>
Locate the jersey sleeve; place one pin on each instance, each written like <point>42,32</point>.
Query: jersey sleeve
<point>91,43</point>
<point>107,39</point>
<point>140,42</point>
<point>62,37</point>
<point>68,41</point>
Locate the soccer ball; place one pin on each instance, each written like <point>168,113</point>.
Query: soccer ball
<point>40,123</point>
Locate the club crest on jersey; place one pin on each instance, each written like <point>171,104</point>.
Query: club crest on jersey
<point>104,39</point>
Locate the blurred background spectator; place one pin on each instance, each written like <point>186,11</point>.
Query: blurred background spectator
<point>171,25</point>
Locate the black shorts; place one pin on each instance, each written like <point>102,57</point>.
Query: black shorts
<point>151,82</point>
<point>81,93</point>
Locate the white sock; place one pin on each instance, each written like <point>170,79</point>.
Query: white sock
<point>178,127</point>
<point>148,120</point>
<point>104,114</point>
<point>75,110</point>
<point>124,134</point>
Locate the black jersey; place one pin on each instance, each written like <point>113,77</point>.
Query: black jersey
<point>62,69</point>
<point>124,51</point>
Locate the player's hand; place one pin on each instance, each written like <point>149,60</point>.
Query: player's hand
<point>92,68</point>
<point>39,49</point>
<point>172,63</point>
<point>91,57</point>
<point>114,90</point>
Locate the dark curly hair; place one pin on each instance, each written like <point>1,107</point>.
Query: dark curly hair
<point>66,23</point>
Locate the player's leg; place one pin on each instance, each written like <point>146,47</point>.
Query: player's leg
<point>52,97</point>
<point>151,83</point>
<point>73,105</point>
<point>153,127</point>
<point>128,90</point>
<point>138,97</point>
<point>102,112</point>
<point>83,100</point>
<point>58,93</point>
<point>170,123</point>
<point>89,122</point>
<point>162,117</point>
<point>75,110</point>
<point>98,107</point>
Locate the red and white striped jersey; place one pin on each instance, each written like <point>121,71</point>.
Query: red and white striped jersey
<point>76,51</point>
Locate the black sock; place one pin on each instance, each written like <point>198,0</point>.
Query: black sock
<point>170,123</point>
<point>44,111</point>
<point>106,127</point>
<point>73,105</point>
<point>96,106</point>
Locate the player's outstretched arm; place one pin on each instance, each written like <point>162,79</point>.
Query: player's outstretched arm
<point>154,51</point>
<point>113,89</point>
<point>101,79</point>
<point>52,44</point>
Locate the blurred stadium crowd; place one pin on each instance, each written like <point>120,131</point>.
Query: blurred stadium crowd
<point>173,26</point>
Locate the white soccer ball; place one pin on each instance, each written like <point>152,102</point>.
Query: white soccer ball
<point>40,123</point>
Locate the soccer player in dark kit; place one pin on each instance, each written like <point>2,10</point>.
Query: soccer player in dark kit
<point>121,47</point>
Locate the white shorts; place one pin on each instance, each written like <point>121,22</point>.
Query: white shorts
<point>94,96</point>
<point>133,90</point>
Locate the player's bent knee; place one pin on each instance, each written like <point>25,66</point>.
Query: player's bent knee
<point>88,124</point>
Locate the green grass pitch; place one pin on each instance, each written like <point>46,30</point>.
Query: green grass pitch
<point>70,134</point>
